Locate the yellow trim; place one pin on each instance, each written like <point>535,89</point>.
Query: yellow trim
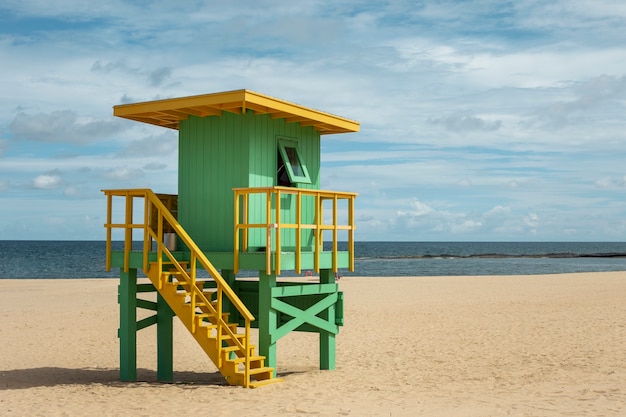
<point>170,112</point>
<point>274,226</point>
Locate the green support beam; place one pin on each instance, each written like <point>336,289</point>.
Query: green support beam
<point>129,326</point>
<point>327,339</point>
<point>267,319</point>
<point>165,341</point>
<point>127,299</point>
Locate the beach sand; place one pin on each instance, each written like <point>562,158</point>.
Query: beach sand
<point>551,345</point>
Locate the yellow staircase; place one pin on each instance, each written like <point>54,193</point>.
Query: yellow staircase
<point>200,309</point>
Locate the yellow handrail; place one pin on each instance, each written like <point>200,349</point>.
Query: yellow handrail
<point>165,218</point>
<point>242,225</point>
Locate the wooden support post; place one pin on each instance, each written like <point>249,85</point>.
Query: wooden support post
<point>231,279</point>
<point>267,319</point>
<point>327,339</point>
<point>165,341</point>
<point>127,332</point>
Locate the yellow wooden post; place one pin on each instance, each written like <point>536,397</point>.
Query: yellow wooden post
<point>109,235</point>
<point>298,231</point>
<point>245,222</point>
<point>236,237</point>
<point>318,232</point>
<point>277,227</point>
<point>147,237</point>
<point>335,237</point>
<point>351,233</point>
<point>128,232</point>
<point>268,237</point>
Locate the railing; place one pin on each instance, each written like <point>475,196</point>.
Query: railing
<point>272,222</point>
<point>157,215</point>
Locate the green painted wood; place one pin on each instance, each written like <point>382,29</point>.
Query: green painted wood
<point>145,288</point>
<point>146,304</point>
<point>219,153</point>
<point>146,322</point>
<point>266,318</point>
<point>339,309</point>
<point>308,316</point>
<point>213,153</point>
<point>304,289</point>
<point>165,340</point>
<point>231,280</point>
<point>328,344</point>
<point>127,299</point>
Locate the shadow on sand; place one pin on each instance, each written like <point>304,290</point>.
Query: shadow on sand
<point>51,376</point>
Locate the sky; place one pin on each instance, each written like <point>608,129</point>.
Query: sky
<point>481,120</point>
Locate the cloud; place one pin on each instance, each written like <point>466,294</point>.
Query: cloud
<point>464,123</point>
<point>611,183</point>
<point>604,95</point>
<point>123,174</point>
<point>155,78</point>
<point>47,181</point>
<point>159,76</point>
<point>62,126</point>
<point>497,222</point>
<point>164,144</point>
<point>155,166</point>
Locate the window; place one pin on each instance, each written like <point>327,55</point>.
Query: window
<point>291,169</point>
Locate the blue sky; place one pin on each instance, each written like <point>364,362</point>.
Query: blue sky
<point>480,120</point>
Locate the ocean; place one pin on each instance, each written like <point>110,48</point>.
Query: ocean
<point>85,259</point>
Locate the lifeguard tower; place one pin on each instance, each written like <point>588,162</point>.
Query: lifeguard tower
<point>248,199</point>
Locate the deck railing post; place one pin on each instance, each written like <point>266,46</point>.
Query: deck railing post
<point>298,231</point>
<point>109,232</point>
<point>277,227</point>
<point>268,236</point>
<point>128,232</point>
<point>147,239</point>
<point>335,235</point>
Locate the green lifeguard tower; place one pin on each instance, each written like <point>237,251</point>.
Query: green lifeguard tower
<point>248,200</point>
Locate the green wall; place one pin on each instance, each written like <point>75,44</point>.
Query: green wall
<point>219,153</point>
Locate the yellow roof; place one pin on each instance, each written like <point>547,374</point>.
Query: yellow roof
<point>169,112</point>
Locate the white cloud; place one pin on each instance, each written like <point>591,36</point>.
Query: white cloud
<point>164,144</point>
<point>47,181</point>
<point>63,126</point>
<point>463,123</point>
<point>123,174</point>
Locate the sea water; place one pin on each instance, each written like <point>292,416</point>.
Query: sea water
<point>85,259</point>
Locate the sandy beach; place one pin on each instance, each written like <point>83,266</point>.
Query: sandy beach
<point>549,345</point>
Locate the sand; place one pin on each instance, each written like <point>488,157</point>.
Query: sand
<point>551,345</point>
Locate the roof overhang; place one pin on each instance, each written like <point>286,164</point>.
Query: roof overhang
<point>168,113</point>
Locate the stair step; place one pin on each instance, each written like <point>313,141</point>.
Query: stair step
<point>252,359</point>
<point>210,326</point>
<point>228,349</point>
<point>261,370</point>
<point>207,315</point>
<point>264,382</point>
<point>237,335</point>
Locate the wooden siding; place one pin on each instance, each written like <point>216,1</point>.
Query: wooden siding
<point>219,153</point>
